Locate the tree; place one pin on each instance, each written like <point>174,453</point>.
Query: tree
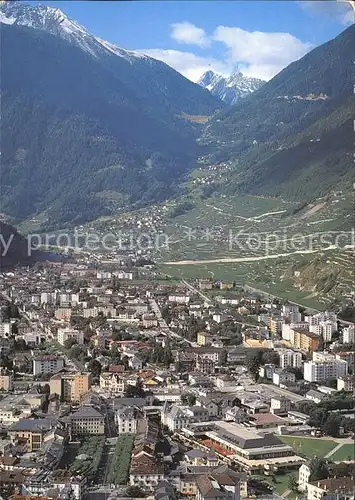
<point>115,353</point>
<point>297,371</point>
<point>69,343</point>
<point>76,352</point>
<point>270,357</point>
<point>253,363</point>
<point>318,469</point>
<point>318,417</point>
<point>135,391</point>
<point>95,368</point>
<point>292,484</point>
<point>116,335</point>
<point>11,311</point>
<point>162,355</point>
<point>46,389</point>
<point>188,399</point>
<point>20,345</point>
<point>167,355</point>
<point>6,362</point>
<point>135,492</point>
<point>331,426</point>
<point>236,338</point>
<point>224,357</point>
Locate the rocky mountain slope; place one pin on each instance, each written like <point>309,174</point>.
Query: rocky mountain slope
<point>230,89</point>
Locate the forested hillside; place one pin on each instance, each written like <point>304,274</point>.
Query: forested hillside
<point>294,136</point>
<point>76,140</point>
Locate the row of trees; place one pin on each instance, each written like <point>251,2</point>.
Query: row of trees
<point>161,355</point>
<point>324,415</point>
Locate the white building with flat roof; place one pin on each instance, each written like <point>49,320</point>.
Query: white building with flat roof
<point>291,358</point>
<point>5,329</point>
<point>47,364</point>
<point>69,333</point>
<point>325,329</point>
<point>348,335</point>
<point>319,371</point>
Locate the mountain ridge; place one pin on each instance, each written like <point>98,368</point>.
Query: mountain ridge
<point>231,89</point>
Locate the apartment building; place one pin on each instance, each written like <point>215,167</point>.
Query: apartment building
<point>30,430</point>
<point>315,319</point>
<point>49,297</point>
<point>149,320</point>
<point>305,340</point>
<point>348,356</point>
<point>212,353</point>
<point>123,275</point>
<point>204,338</point>
<point>291,313</point>
<point>281,377</point>
<point>304,473</point>
<point>179,298</point>
<point>291,358</point>
<point>180,416</point>
<point>66,299</point>
<point>334,488</point>
<point>319,371</point>
<point>5,329</point>
<point>70,386</point>
<point>288,330</point>
<point>324,329</point>
<point>6,380</point>
<point>205,365</point>
<point>146,470</point>
<point>126,420</point>
<point>348,334</point>
<point>276,325</point>
<point>47,364</point>
<point>87,420</point>
<point>63,313</point>
<point>346,383</point>
<point>65,334</point>
<point>112,383</point>
<point>280,405</point>
<point>216,486</point>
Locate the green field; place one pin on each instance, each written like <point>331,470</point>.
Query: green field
<point>279,482</point>
<point>309,447</point>
<point>88,457</point>
<point>262,275</point>
<point>121,460</point>
<point>345,453</point>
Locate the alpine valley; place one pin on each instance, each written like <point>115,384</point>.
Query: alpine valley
<point>97,136</point>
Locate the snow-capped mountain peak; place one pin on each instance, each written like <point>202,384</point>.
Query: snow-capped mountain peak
<point>39,17</point>
<point>55,22</point>
<point>229,89</point>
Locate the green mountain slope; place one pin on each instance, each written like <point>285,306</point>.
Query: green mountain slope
<point>294,136</point>
<point>73,131</point>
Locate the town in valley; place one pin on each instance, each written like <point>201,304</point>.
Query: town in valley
<point>119,382</point>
